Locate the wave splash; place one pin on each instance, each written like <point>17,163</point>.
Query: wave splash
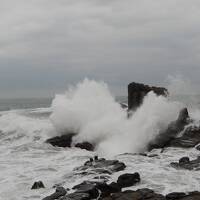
<point>90,110</point>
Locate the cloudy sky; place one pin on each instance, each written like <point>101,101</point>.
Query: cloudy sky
<point>45,45</point>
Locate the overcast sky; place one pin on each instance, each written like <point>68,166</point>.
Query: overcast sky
<point>47,44</point>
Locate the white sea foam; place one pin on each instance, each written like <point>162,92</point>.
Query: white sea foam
<point>90,110</point>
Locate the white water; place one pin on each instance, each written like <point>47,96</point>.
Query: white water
<point>25,158</point>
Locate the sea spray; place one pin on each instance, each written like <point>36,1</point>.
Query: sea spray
<point>90,110</point>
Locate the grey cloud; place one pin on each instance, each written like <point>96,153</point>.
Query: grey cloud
<point>48,44</point>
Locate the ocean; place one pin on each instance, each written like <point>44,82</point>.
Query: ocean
<point>25,124</point>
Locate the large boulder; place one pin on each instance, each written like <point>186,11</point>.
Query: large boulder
<point>127,180</point>
<point>61,141</point>
<point>60,192</point>
<point>185,163</point>
<point>137,92</point>
<point>164,138</point>
<point>100,166</point>
<point>190,138</point>
<point>141,194</point>
<point>96,189</point>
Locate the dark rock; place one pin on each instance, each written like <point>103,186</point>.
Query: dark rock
<point>185,163</point>
<point>127,180</point>
<point>101,166</point>
<point>137,92</point>
<point>88,188</point>
<point>184,160</point>
<point>85,145</point>
<point>166,137</point>
<point>183,196</point>
<point>141,194</point>
<point>97,189</point>
<point>76,196</point>
<point>96,158</point>
<point>189,138</point>
<point>37,185</point>
<point>60,192</point>
<point>198,147</point>
<point>61,141</point>
<point>175,196</point>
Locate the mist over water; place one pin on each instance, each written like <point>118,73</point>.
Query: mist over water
<point>90,110</point>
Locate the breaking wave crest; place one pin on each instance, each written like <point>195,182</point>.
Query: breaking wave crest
<point>90,110</point>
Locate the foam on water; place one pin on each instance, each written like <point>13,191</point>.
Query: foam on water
<point>91,110</point>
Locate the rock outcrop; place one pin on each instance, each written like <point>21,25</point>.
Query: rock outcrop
<point>61,141</point>
<point>60,192</point>
<point>189,138</point>
<point>166,137</point>
<point>185,163</point>
<point>100,166</point>
<point>137,92</point>
<point>127,180</point>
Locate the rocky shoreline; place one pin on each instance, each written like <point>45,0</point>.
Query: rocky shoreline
<point>179,133</point>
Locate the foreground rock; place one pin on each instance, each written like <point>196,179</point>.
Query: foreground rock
<point>127,180</point>
<point>185,163</point>
<point>60,192</point>
<point>97,189</point>
<point>141,194</point>
<point>183,196</point>
<point>100,166</point>
<point>137,92</point>
<point>166,137</point>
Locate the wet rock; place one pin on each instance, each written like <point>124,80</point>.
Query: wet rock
<point>61,141</point>
<point>183,196</point>
<point>37,185</point>
<point>88,188</point>
<point>101,166</point>
<point>97,189</point>
<point>185,163</point>
<point>85,145</point>
<point>189,138</point>
<point>166,137</point>
<point>175,195</point>
<point>76,196</point>
<point>198,147</point>
<point>141,194</point>
<point>137,92</point>
<point>127,180</point>
<point>60,192</point>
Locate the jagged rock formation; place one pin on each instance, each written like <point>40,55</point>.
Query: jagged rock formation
<point>137,92</point>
